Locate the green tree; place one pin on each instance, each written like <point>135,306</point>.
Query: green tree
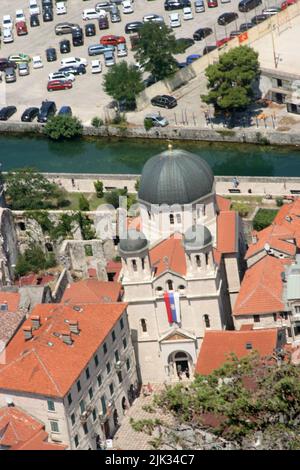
<point>230,80</point>
<point>63,127</point>
<point>99,188</point>
<point>34,260</point>
<point>155,49</point>
<point>123,82</point>
<point>28,189</point>
<point>112,197</point>
<point>137,184</point>
<point>83,203</point>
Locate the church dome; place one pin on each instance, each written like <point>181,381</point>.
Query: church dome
<point>135,242</point>
<point>175,177</point>
<point>197,237</point>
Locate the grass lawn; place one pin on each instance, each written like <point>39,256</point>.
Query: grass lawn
<point>264,218</point>
<point>91,197</point>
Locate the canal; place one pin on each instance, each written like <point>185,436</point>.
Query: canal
<point>128,156</point>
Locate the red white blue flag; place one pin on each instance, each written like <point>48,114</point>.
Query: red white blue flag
<point>172,303</point>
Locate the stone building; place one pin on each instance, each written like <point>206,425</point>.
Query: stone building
<point>182,269</point>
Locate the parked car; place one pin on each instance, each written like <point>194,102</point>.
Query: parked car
<point>150,80</point>
<point>185,42</point>
<point>164,101</point>
<point>10,75</point>
<point>234,34</point>
<point>96,66</point>
<point>245,26</point>
<point>73,61</point>
<point>7,22</point>
<point>191,58</point>
<point>75,70</point>
<point>201,33</point>
<point>112,40</point>
<point>61,76</point>
<point>34,21</point>
<point>47,110</point>
<point>208,49</point>
<point>105,5</point>
<point>156,120</point>
<point>222,41</point>
<point>259,19</point>
<point>227,18</point>
<point>109,58</point>
<point>247,5</point>
<point>65,46</point>
<point>21,28</point>
<point>103,22</point>
<point>47,15</point>
<point>122,50</point>
<point>61,8</point>
<point>115,16</point>
<point>287,3</point>
<point>77,37</point>
<point>65,111</point>
<point>7,112</point>
<point>51,55</point>
<point>133,27</point>
<point>90,14</point>
<point>34,9</point>
<point>271,11</point>
<point>19,58</point>
<point>47,3</point>
<point>174,20</point>
<point>90,29</point>
<point>7,36</point>
<point>212,3</point>
<point>153,18</point>
<point>65,28</point>
<point>6,63</point>
<point>37,62</point>
<point>176,4</point>
<point>97,49</point>
<point>54,85</point>
<point>20,16</point>
<point>29,114</point>
<point>199,6</point>
<point>127,7</point>
<point>23,69</point>
<point>187,13</point>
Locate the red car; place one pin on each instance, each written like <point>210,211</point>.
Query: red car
<point>21,28</point>
<point>112,40</point>
<point>212,3</point>
<point>287,3</point>
<point>59,85</point>
<point>222,41</point>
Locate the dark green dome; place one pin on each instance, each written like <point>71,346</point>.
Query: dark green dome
<point>197,237</point>
<point>175,177</point>
<point>134,242</point>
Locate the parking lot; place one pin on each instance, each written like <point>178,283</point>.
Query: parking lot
<point>87,97</point>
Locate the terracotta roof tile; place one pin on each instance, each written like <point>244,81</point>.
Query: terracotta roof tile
<point>92,291</point>
<point>12,299</point>
<point>169,255</point>
<point>223,203</point>
<point>227,232</point>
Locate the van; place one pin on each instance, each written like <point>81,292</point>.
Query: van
<point>199,6</point>
<point>98,49</point>
<point>247,5</point>
<point>47,110</point>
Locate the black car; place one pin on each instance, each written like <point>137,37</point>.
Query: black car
<point>103,22</point>
<point>47,3</point>
<point>208,49</point>
<point>29,114</point>
<point>51,54</point>
<point>47,15</point>
<point>234,34</point>
<point>77,37</point>
<point>201,33</point>
<point>149,81</point>
<point>164,101</point>
<point>245,26</point>
<point>5,64</point>
<point>80,70</point>
<point>65,46</point>
<point>133,27</point>
<point>185,43</point>
<point>227,18</point>
<point>34,21</point>
<point>47,110</point>
<point>176,4</point>
<point>90,29</point>
<point>7,112</point>
<point>259,19</point>
<point>247,5</point>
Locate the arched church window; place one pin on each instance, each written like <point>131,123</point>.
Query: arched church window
<point>170,284</point>
<point>144,325</point>
<point>198,261</point>
<point>206,321</point>
<point>134,265</point>
<point>181,287</point>
<point>171,219</point>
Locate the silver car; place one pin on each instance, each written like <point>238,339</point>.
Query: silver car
<point>109,58</point>
<point>115,16</point>
<point>157,120</point>
<point>23,69</point>
<point>10,75</point>
<point>122,50</point>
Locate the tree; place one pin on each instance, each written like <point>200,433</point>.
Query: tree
<point>230,81</point>
<point>99,188</point>
<point>63,127</point>
<point>34,260</point>
<point>155,49</point>
<point>123,82</point>
<point>83,203</point>
<point>28,189</point>
<point>112,197</point>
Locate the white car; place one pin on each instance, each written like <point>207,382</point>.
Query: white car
<point>154,18</point>
<point>7,35</point>
<point>157,120</point>
<point>122,50</point>
<point>90,14</point>
<point>37,62</point>
<point>174,20</point>
<point>225,1</point>
<point>7,22</point>
<point>73,61</point>
<point>271,11</point>
<point>20,16</point>
<point>96,66</point>
<point>61,76</point>
<point>61,8</point>
<point>127,7</point>
<point>34,9</point>
<point>187,13</point>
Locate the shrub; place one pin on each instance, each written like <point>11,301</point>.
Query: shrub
<point>264,218</point>
<point>63,127</point>
<point>99,188</point>
<point>83,203</point>
<point>34,260</point>
<point>241,208</point>
<point>148,124</point>
<point>279,201</point>
<point>97,122</point>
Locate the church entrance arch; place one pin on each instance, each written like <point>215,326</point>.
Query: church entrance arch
<point>180,364</point>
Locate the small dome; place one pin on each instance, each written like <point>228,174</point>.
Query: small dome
<point>175,177</point>
<point>197,237</point>
<point>135,241</point>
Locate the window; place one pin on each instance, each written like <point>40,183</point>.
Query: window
<point>206,258</point>
<point>104,348</point>
<point>94,413</point>
<point>178,218</point>
<point>108,367</point>
<point>96,360</point>
<point>70,398</point>
<point>91,392</point>
<point>51,405</point>
<point>121,323</point>
<point>111,389</point>
<point>54,426</point>
<point>22,226</point>
<point>99,380</point>
<point>82,406</point>
<point>113,335</point>
<point>134,265</point>
<point>73,419</point>
<point>198,261</point>
<point>297,308</point>
<point>78,385</point>
<point>103,404</point>
<point>85,428</point>
<point>206,321</point>
<point>87,373</point>
<point>248,345</point>
<point>256,318</point>
<point>143,264</point>
<point>117,357</point>
<point>76,441</point>
<point>144,325</point>
<point>275,316</point>
<point>120,378</point>
<point>171,219</point>
<point>128,364</point>
<point>170,284</point>
<point>88,250</point>
<point>181,287</point>
<point>124,343</point>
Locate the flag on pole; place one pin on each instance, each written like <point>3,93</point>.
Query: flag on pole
<point>172,303</point>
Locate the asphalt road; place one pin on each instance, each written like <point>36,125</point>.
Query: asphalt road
<point>87,98</point>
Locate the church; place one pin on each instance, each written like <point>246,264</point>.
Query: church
<point>182,265</point>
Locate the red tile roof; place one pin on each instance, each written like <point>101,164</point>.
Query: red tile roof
<point>223,203</point>
<point>92,291</point>
<point>45,364</point>
<point>217,346</point>
<point>169,255</point>
<point>11,318</point>
<point>12,299</point>
<point>275,236</point>
<point>227,232</point>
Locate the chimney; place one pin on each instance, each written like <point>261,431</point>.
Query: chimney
<point>254,238</point>
<point>36,321</point>
<point>27,330</point>
<point>67,338</point>
<point>74,328</point>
